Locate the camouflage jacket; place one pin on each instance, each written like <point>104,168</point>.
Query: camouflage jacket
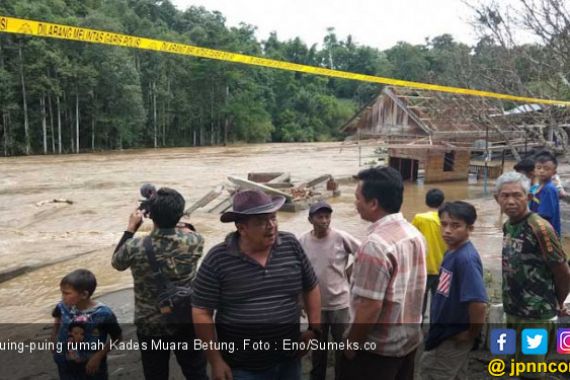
<point>530,247</point>
<point>177,254</point>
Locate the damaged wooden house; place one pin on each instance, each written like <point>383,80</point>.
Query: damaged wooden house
<point>438,135</point>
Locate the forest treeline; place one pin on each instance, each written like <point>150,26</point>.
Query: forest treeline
<point>63,96</point>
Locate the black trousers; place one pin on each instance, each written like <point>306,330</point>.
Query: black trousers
<point>366,365</point>
<point>156,361</point>
<point>431,287</point>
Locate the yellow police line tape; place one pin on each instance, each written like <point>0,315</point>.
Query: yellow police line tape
<point>74,33</point>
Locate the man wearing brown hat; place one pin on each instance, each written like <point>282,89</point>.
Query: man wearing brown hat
<point>253,281</point>
<point>328,249</point>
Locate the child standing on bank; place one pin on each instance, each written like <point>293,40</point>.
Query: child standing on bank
<point>459,306</point>
<point>83,353</point>
<point>429,225</point>
<point>545,201</point>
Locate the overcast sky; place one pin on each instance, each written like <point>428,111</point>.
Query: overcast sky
<point>377,23</point>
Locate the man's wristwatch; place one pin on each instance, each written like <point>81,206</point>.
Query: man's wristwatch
<point>317,331</point>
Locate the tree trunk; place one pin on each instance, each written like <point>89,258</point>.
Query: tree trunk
<point>44,122</point>
<point>226,121</point>
<point>93,133</point>
<point>5,132</point>
<point>4,111</point>
<point>167,115</point>
<point>50,110</point>
<point>58,125</point>
<point>24,101</point>
<point>550,133</point>
<point>68,122</point>
<point>154,121</point>
<point>93,123</point>
<point>76,120</point>
<point>201,129</point>
<point>163,122</point>
<point>219,130</point>
<point>212,117</point>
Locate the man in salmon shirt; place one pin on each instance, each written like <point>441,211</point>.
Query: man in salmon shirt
<point>388,284</point>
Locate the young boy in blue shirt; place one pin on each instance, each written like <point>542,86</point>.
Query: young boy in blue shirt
<point>81,329</point>
<point>545,201</point>
<point>459,305</point>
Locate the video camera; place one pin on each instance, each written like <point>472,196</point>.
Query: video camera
<point>148,191</point>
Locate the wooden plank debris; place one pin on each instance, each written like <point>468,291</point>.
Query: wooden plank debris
<point>297,198</point>
<point>246,184</point>
<point>41,203</point>
<point>263,177</point>
<point>285,177</point>
<point>316,181</point>
<point>205,200</point>
<point>222,206</point>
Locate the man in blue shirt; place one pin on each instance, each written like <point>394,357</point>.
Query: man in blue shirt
<point>459,305</point>
<point>545,201</point>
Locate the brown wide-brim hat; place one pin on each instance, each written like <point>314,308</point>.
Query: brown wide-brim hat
<point>251,202</point>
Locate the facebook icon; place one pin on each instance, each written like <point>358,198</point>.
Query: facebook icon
<point>503,341</point>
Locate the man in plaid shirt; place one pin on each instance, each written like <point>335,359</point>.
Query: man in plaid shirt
<point>388,283</point>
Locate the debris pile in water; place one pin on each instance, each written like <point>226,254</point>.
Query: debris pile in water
<point>298,196</point>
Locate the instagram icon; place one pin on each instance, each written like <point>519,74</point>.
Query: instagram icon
<point>563,341</point>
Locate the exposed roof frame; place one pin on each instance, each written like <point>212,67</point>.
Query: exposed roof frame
<point>404,108</point>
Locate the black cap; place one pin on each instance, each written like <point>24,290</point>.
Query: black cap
<point>321,205</point>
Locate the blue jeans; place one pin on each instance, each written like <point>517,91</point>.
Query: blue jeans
<point>286,370</point>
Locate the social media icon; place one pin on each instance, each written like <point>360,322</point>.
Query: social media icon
<point>534,341</point>
<point>563,341</point>
<point>503,341</point>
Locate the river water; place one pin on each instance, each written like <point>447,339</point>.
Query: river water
<point>104,189</point>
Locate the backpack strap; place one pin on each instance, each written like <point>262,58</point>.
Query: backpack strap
<point>160,280</point>
<point>542,233</point>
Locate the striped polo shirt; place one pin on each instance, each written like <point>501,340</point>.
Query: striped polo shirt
<point>252,301</point>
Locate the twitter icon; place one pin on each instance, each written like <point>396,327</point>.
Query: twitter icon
<point>534,341</point>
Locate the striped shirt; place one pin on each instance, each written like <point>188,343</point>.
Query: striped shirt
<point>390,267</point>
<point>252,301</point>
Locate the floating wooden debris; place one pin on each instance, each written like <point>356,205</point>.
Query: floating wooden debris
<point>316,181</point>
<point>222,206</point>
<point>247,184</point>
<point>271,178</point>
<point>298,197</point>
<point>284,178</point>
<point>69,202</point>
<point>205,200</point>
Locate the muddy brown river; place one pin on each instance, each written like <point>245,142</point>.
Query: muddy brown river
<point>104,189</point>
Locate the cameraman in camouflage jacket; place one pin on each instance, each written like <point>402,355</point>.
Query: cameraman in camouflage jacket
<point>177,252</point>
